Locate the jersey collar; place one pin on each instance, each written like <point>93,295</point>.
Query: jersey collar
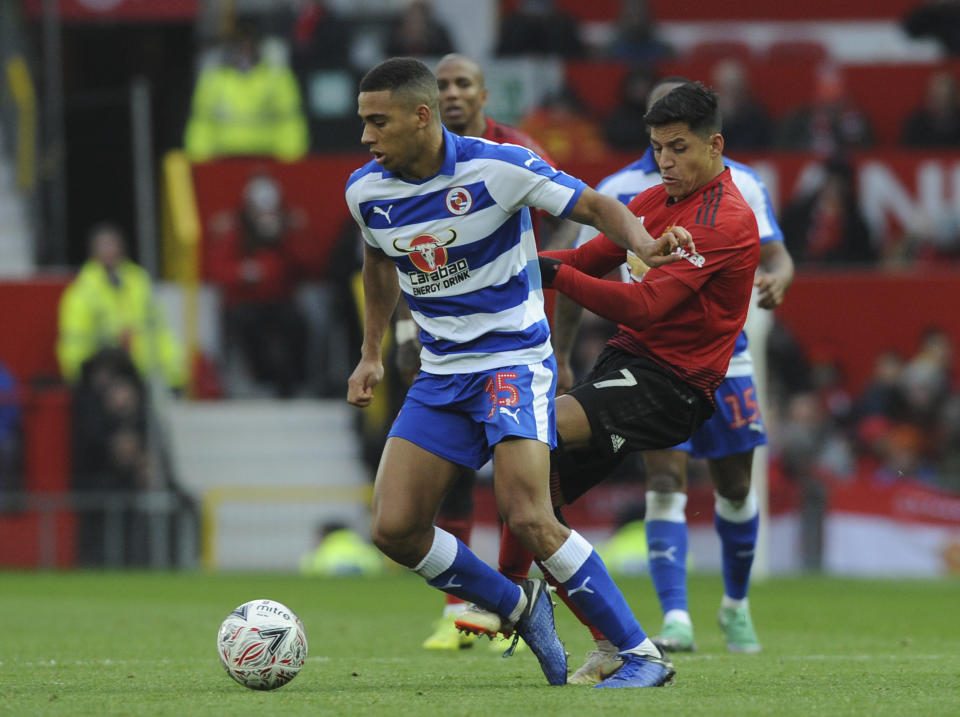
<point>449,166</point>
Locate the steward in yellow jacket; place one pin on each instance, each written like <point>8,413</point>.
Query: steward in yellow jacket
<point>110,304</point>
<point>246,104</point>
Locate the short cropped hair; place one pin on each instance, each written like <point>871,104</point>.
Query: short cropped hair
<point>692,103</point>
<point>404,75</point>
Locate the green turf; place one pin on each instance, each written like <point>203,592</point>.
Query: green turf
<point>144,644</point>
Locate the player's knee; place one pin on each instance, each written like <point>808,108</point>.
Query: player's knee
<point>526,524</point>
<point>665,481</point>
<point>395,539</point>
<point>735,491</point>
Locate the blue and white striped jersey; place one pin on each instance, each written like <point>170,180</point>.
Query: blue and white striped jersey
<point>639,176</point>
<point>462,241</point>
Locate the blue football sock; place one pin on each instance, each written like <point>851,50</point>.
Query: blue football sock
<point>580,570</point>
<point>666,526</point>
<point>737,523</point>
<point>452,567</point>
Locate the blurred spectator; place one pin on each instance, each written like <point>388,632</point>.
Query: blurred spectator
<point>246,103</point>
<point>561,126</point>
<point>831,123</point>
<point>926,379</point>
<point>746,124</point>
<point>828,383</point>
<point>635,38</point>
<point>948,466</point>
<point>113,336</point>
<point>937,122</point>
<point>939,19</point>
<point>110,455</point>
<point>9,432</point>
<point>341,552</point>
<point>883,395</point>
<point>319,36</point>
<point>110,305</point>
<point>624,129</point>
<point>800,440</point>
<point>258,255</point>
<point>539,27</point>
<point>419,33</point>
<point>826,225</point>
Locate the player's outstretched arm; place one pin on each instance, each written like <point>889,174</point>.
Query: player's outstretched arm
<point>634,305</point>
<point>774,275</point>
<point>380,294</point>
<point>620,225</point>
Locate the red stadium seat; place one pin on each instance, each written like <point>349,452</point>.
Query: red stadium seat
<point>806,50</point>
<point>720,49</point>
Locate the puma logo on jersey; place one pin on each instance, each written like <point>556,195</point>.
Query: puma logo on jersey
<point>617,442</point>
<point>668,554</point>
<point>582,588</point>
<point>513,414</point>
<point>384,212</point>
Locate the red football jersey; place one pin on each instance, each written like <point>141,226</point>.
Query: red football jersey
<point>686,315</point>
<point>498,132</point>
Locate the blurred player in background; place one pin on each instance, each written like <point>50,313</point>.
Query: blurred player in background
<point>463,96</point>
<point>444,221</point>
<point>727,440</point>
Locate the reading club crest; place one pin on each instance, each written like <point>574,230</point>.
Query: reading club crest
<point>458,201</point>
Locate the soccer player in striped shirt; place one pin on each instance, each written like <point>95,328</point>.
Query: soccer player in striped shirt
<point>463,96</point>
<point>445,223</point>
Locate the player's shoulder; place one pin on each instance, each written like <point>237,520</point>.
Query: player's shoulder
<point>724,208</point>
<point>499,132</point>
<point>746,178</point>
<point>478,148</point>
<point>650,198</point>
<point>370,171</point>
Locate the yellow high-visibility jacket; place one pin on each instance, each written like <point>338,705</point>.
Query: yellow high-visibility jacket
<point>257,112</point>
<point>95,314</point>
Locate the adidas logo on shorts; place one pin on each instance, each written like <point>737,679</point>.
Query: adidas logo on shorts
<point>617,442</point>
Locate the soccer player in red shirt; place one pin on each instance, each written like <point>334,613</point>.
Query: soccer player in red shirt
<point>654,384</point>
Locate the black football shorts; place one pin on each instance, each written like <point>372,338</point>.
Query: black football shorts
<point>633,404</point>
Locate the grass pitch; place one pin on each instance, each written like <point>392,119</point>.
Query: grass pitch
<point>144,644</point>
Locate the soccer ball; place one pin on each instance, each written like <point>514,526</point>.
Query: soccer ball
<point>262,644</point>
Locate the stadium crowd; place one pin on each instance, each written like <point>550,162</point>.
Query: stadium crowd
<point>278,81</point>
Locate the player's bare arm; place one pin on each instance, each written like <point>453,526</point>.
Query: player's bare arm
<point>774,275</point>
<point>381,291</point>
<point>566,322</point>
<point>621,226</point>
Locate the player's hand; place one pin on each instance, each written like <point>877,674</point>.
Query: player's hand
<point>408,360</point>
<point>564,374</point>
<point>771,290</point>
<point>661,251</point>
<point>367,374</point>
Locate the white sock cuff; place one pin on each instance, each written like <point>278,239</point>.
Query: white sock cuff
<point>736,511</point>
<point>574,552</point>
<point>729,602</point>
<point>440,556</point>
<point>670,507</point>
